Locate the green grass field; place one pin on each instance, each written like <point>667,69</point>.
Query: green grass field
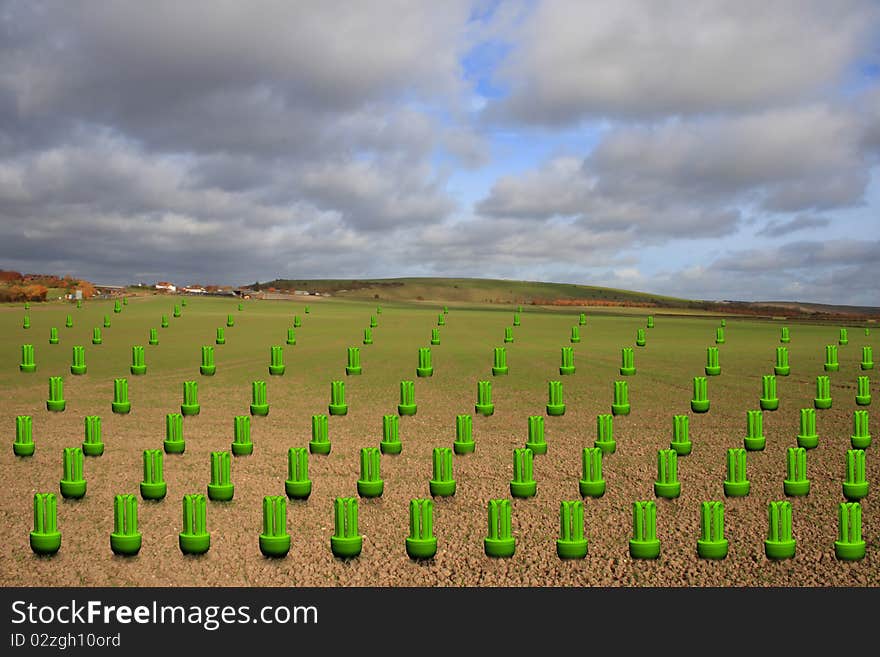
<point>674,354</point>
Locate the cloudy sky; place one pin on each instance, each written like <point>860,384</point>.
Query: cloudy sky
<point>714,150</point>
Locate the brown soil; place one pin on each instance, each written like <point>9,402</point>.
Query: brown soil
<point>460,522</point>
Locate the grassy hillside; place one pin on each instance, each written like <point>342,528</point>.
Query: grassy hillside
<point>476,290</point>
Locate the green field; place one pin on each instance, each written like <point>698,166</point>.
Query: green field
<point>674,354</point>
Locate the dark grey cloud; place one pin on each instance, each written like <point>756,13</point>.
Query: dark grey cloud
<point>808,255</point>
<point>777,227</point>
<point>642,59</point>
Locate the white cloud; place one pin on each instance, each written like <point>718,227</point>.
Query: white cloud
<point>639,58</point>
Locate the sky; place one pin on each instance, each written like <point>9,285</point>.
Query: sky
<point>712,150</point>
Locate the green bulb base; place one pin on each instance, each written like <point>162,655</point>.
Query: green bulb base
<point>56,405</point>
<point>778,550</point>
<point>260,409</point>
<point>97,340</point>
<point>428,371</point>
<point>434,341</point>
<point>79,370</point>
<point>353,371</point>
<point>73,490</point>
<point>537,448</point>
<point>575,340</point>
<point>194,543</point>
<point>849,551</point>
<point>221,492</point>
<point>298,490</point>
<point>571,549</point>
<point>566,370</point>
<point>53,340</point>
<point>822,403</point>
<point>276,370</point>
<point>138,370</point>
<point>464,447</point>
<point>737,488</point>
<point>796,488</point>
<point>154,491</point>
<point>869,365</point>
<point>390,447</point>
<point>125,545</point>
<point>499,548</point>
<point>755,444</point>
<point>667,491</point>
<point>441,488</point>
<point>320,446</point>
<point>338,409</point>
<point>153,342</point>
<point>620,409</point>
<point>500,371</point>
<point>207,370</point>
<point>832,367</point>
<point>407,409</point>
<point>346,547</point>
<point>713,371</point>
<point>644,549</point>
<point>421,548</point>
<point>121,407</point>
<point>700,405</point>
<point>591,488</point>
<point>23,449</point>
<point>808,442</point>
<point>45,544</point>
<point>555,410</point>
<point>769,403</point>
<point>242,449</point>
<point>92,449</point>
<point>784,370</point>
<point>524,489</point>
<point>855,491</point>
<point>223,341</point>
<point>27,368</point>
<point>860,442</point>
<point>292,342</point>
<point>681,448</point>
<point>863,400</point>
<point>607,446</point>
<point>370,488</point>
<point>174,446</point>
<point>485,409</point>
<point>508,340</point>
<point>275,547</point>
<point>712,549</point>
<point>640,343</point>
<point>627,371</point>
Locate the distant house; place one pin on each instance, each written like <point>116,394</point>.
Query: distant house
<point>164,286</point>
<point>106,290</point>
